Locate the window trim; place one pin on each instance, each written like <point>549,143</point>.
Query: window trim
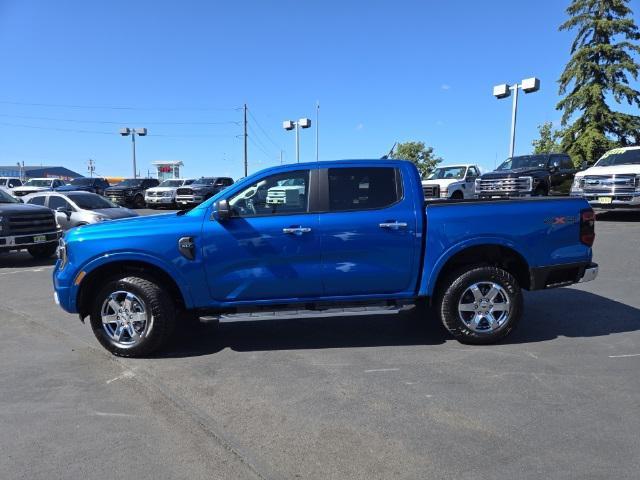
<point>324,200</point>
<point>311,201</point>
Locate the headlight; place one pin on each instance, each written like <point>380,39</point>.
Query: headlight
<point>167,194</point>
<point>578,184</point>
<point>61,252</point>
<point>638,183</point>
<point>101,219</point>
<point>529,184</point>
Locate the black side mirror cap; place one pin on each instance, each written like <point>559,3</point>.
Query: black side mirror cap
<point>222,211</point>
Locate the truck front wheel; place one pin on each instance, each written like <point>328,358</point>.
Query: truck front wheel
<point>480,305</point>
<point>132,316</point>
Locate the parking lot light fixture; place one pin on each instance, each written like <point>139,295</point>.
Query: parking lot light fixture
<point>291,125</point>
<point>141,132</point>
<point>528,85</point>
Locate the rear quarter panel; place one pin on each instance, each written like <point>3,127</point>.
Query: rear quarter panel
<point>543,231</point>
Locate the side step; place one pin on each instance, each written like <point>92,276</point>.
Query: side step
<point>304,313</point>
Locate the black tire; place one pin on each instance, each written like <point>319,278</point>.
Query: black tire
<point>42,252</point>
<point>458,284</point>
<point>138,201</point>
<point>160,318</point>
<point>457,195</point>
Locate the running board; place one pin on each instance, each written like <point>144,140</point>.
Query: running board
<point>303,313</point>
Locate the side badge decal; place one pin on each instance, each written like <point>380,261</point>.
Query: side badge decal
<point>187,247</point>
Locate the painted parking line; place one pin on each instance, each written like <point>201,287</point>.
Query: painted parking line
<point>27,270</point>
<point>376,370</point>
<point>625,356</point>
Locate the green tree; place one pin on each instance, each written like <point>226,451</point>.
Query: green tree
<point>602,60</point>
<point>549,139</point>
<point>418,153</point>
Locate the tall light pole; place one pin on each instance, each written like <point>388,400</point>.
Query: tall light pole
<point>528,85</point>
<point>290,125</point>
<point>141,132</point>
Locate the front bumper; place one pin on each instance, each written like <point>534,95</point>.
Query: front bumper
<point>609,201</point>
<point>485,195</point>
<point>159,200</point>
<point>590,273</point>
<point>17,242</point>
<point>190,199</point>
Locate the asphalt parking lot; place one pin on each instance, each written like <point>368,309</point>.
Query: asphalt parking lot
<point>340,397</point>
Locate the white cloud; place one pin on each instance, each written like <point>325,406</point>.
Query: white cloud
<point>445,86</point>
<point>360,126</point>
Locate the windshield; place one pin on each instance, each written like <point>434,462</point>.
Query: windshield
<point>447,172</point>
<point>619,156</point>
<point>525,161</point>
<point>90,201</point>
<point>6,198</point>
<point>82,181</point>
<point>204,181</point>
<point>38,183</point>
<point>171,183</point>
<point>130,182</point>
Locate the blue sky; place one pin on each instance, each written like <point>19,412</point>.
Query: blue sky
<point>383,71</point>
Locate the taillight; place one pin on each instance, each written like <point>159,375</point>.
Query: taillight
<point>587,227</point>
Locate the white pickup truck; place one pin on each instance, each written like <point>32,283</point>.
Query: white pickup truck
<point>612,182</point>
<point>451,181</point>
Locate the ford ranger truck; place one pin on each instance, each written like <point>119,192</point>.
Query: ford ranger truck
<point>358,233</point>
<point>612,182</point>
<point>453,182</point>
<point>27,227</point>
<point>528,176</point>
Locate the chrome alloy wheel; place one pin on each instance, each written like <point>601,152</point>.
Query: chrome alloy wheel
<point>484,307</point>
<point>125,319</point>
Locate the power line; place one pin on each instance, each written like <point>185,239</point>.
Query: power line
<point>112,107</point>
<point>109,122</point>
<point>259,147</point>
<point>257,139</point>
<point>99,132</point>
<point>264,131</point>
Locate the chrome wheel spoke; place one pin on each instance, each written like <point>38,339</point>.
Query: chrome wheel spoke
<point>108,319</point>
<point>132,332</point>
<point>500,307</point>
<point>477,294</point>
<point>139,317</point>
<point>493,321</point>
<point>467,307</point>
<point>115,306</point>
<point>128,302</point>
<point>117,334</point>
<point>493,292</point>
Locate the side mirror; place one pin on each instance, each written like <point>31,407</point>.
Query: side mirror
<point>223,212</point>
<point>555,166</point>
<point>584,165</point>
<point>64,210</point>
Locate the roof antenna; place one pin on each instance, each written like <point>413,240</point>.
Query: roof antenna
<point>386,157</point>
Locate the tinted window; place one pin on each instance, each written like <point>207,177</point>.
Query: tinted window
<point>363,188</point>
<point>473,172</point>
<point>90,201</point>
<point>37,200</point>
<point>566,163</point>
<point>6,198</point>
<point>283,193</point>
<point>57,202</point>
<point>14,183</point>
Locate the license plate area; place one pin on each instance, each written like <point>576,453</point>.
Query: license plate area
<point>605,200</point>
<point>39,238</point>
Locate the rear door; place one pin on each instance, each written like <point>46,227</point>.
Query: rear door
<point>369,231</point>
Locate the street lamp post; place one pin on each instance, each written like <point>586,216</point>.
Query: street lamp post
<point>290,125</point>
<point>141,132</point>
<point>528,85</point>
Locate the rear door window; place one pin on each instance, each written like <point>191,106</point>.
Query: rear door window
<point>37,200</point>
<point>363,188</point>
<point>57,202</point>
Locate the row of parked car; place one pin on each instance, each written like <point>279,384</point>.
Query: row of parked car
<point>131,192</point>
<point>612,182</point>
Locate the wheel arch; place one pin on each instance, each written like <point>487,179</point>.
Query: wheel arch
<point>499,255</point>
<point>96,277</point>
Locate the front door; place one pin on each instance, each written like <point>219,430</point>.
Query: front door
<point>369,241</point>
<point>270,248</point>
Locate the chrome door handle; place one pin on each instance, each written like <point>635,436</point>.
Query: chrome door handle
<point>296,230</point>
<point>394,225</point>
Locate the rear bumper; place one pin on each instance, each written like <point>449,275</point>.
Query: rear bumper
<point>484,195</point>
<point>562,275</point>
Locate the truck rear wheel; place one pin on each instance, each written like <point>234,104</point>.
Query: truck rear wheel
<point>42,251</point>
<point>132,316</point>
<point>480,305</point>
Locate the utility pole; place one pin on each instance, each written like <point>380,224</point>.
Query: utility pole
<point>246,167</point>
<point>528,85</point>
<point>280,157</point>
<point>133,132</point>
<point>91,168</point>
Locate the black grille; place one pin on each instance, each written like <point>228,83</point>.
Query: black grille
<point>31,223</point>
<point>184,191</point>
<point>431,191</point>
<point>19,193</point>
<point>117,195</point>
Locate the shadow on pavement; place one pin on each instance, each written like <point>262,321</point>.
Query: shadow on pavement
<point>548,315</point>
<point>22,259</point>
<point>618,216</point>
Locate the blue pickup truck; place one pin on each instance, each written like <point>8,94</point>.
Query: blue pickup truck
<point>317,236</point>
